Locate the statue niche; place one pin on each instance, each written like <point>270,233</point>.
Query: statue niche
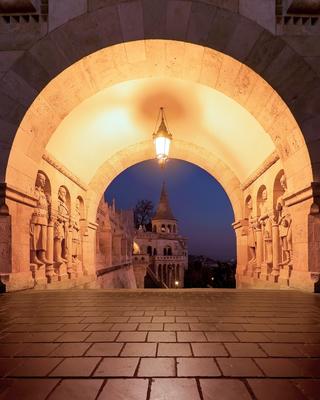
<point>76,235</point>
<point>61,228</point>
<point>284,222</point>
<point>266,228</point>
<point>251,239</point>
<point>39,222</point>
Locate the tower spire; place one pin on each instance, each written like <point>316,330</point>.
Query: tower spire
<point>164,210</point>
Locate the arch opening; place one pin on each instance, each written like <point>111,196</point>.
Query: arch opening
<point>123,107</point>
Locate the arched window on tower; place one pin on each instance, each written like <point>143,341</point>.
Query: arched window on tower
<point>155,228</point>
<point>167,251</point>
<point>149,250</point>
<point>169,228</point>
<point>154,251</point>
<point>163,228</point>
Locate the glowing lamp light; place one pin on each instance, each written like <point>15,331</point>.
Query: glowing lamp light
<point>162,139</point>
<point>177,283</point>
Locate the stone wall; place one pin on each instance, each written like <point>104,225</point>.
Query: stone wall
<point>273,239</point>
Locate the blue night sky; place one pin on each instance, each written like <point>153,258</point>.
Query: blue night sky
<point>197,200</point>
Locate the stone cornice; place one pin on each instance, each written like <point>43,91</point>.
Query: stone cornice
<point>93,225</point>
<point>11,193</point>
<point>239,224</point>
<point>310,192</point>
<point>268,162</point>
<point>65,171</point>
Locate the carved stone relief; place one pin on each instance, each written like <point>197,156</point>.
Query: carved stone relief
<point>284,222</point>
<point>61,228</point>
<point>39,223</point>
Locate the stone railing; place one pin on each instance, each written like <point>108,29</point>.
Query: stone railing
<point>107,270</point>
<point>168,259</point>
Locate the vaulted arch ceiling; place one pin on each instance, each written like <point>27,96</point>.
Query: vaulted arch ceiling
<point>213,101</point>
<point>126,113</point>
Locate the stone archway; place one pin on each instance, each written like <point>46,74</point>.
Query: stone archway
<point>128,51</point>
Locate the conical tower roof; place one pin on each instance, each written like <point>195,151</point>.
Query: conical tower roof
<point>164,210</point>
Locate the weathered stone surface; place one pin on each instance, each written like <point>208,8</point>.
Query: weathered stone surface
<point>178,14</point>
<point>232,5</point>
<point>97,30</point>
<point>266,48</point>
<point>12,83</point>
<point>261,12</point>
<point>20,36</point>
<point>131,20</point>
<point>200,21</point>
<point>50,56</point>
<point>7,58</point>
<point>10,110</point>
<point>314,63</point>
<point>31,71</point>
<point>63,11</point>
<point>154,18</point>
<point>243,39</point>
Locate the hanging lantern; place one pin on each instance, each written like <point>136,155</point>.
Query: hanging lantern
<point>162,139</point>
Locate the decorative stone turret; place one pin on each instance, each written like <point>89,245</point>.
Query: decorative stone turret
<point>166,250</point>
<point>164,220</point>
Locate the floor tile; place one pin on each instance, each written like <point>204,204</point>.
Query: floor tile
<point>110,367</point>
<point>224,389</point>
<point>266,389</point>
<point>76,366</point>
<point>125,389</point>
<point>191,337</point>
<point>174,389</point>
<point>26,389</point>
<point>35,367</point>
<point>70,350</point>
<point>80,389</point>
<point>105,349</point>
<point>139,350</point>
<point>238,367</point>
<point>132,337</point>
<point>156,367</point>
<point>245,350</point>
<point>174,349</point>
<point>197,367</point>
<point>162,337</point>
<point>209,350</point>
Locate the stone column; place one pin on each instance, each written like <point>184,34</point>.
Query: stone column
<point>89,253</point>
<point>70,269</point>
<point>51,276</point>
<point>242,272</point>
<point>304,269</point>
<point>259,250</point>
<point>275,250</point>
<point>15,214</point>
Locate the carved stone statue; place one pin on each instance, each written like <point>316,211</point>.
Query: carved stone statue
<point>61,228</point>
<point>39,223</point>
<point>76,238</point>
<point>284,221</point>
<point>266,224</point>
<point>252,240</point>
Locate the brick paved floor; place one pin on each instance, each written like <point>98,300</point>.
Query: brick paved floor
<point>152,345</point>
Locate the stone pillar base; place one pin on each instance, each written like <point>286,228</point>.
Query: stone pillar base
<point>17,281</point>
<point>39,274</point>
<point>61,271</point>
<point>304,280</point>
